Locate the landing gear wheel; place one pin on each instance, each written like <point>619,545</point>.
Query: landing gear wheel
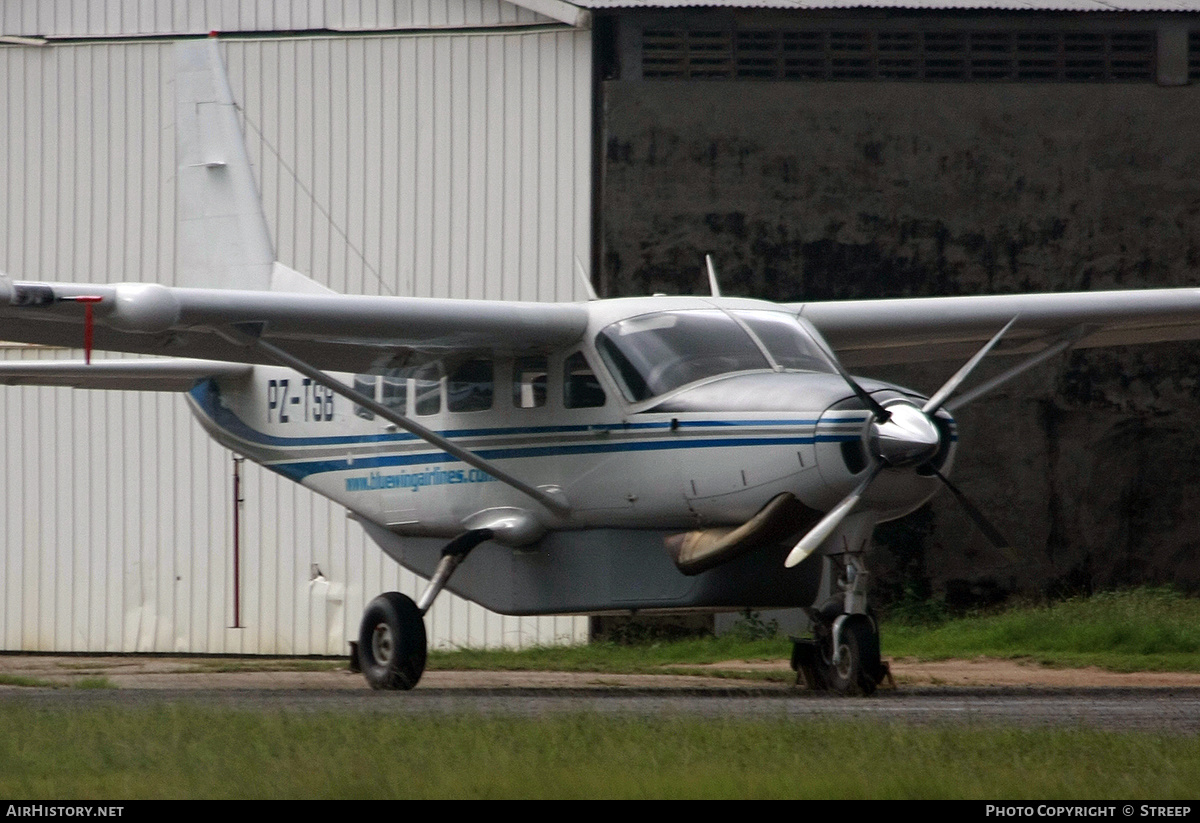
<point>391,642</point>
<point>858,669</point>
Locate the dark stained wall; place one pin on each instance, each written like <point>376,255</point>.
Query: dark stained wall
<point>828,190</point>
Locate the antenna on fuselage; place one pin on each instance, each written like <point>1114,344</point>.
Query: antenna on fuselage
<point>587,281</point>
<point>712,276</point>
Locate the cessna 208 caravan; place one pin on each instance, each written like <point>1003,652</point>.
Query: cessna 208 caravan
<point>659,453</point>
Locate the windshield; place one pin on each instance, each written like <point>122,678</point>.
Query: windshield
<point>790,344</point>
<point>657,353</point>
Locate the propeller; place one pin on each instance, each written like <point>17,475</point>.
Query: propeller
<point>982,523</point>
<point>902,435</point>
<point>878,412</point>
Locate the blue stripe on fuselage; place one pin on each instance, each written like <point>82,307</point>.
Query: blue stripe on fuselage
<point>206,397</point>
<point>299,470</point>
<point>207,400</point>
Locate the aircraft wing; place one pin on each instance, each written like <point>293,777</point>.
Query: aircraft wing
<point>881,332</point>
<point>355,332</point>
<point>168,374</point>
<point>330,331</point>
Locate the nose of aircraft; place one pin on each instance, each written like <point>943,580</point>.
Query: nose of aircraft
<point>906,438</point>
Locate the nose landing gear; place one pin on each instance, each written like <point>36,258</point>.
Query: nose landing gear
<point>392,646</point>
<point>843,657</point>
<point>843,654</point>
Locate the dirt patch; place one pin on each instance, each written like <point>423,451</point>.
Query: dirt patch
<point>154,672</point>
<point>990,672</point>
<point>986,671</point>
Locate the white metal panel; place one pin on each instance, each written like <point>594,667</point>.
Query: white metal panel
<point>438,164</point>
<point>427,164</point>
<point>123,18</point>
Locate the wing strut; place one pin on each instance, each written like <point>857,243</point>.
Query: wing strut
<point>249,334</point>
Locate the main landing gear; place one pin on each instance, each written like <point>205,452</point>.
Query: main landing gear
<point>391,640</point>
<point>843,654</point>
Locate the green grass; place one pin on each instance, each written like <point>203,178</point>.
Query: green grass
<point>181,751</point>
<point>178,751</point>
<point>1137,630</point>
<point>22,680</point>
<point>93,683</point>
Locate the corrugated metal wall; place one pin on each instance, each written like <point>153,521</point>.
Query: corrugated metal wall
<point>108,18</point>
<point>435,164</point>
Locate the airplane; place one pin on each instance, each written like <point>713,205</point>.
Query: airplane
<point>662,453</point>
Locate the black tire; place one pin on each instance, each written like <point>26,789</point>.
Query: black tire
<point>391,642</point>
<point>860,669</point>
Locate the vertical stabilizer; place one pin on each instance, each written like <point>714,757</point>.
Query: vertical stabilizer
<point>222,240</point>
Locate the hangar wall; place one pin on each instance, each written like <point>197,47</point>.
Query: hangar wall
<point>448,162</point>
<point>123,18</point>
<point>864,188</point>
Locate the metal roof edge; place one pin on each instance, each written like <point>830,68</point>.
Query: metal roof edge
<point>573,14</point>
<point>1081,6</point>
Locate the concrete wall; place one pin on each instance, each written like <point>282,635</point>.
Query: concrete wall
<point>866,189</point>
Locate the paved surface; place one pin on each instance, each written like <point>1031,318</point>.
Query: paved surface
<point>955,692</point>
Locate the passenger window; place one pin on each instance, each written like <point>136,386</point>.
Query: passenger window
<point>470,387</point>
<point>428,387</point>
<point>395,390</point>
<point>365,384</point>
<point>529,382</point>
<point>581,389</point>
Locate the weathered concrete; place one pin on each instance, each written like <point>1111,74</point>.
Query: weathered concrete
<point>847,190</point>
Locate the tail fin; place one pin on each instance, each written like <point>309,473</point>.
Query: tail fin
<point>221,240</point>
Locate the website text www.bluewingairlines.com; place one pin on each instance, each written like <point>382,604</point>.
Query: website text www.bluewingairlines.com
<point>415,481</point>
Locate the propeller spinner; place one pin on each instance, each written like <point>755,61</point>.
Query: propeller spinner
<point>907,438</point>
<point>902,435</point>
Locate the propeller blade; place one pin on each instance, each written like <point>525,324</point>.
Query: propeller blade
<point>1068,340</point>
<point>982,523</point>
<point>818,533</point>
<point>939,397</point>
<point>881,414</point>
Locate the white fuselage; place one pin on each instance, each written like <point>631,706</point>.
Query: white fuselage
<point>711,452</point>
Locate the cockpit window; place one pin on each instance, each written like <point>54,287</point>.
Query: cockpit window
<point>657,353</point>
<point>653,354</point>
<point>787,341</point>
